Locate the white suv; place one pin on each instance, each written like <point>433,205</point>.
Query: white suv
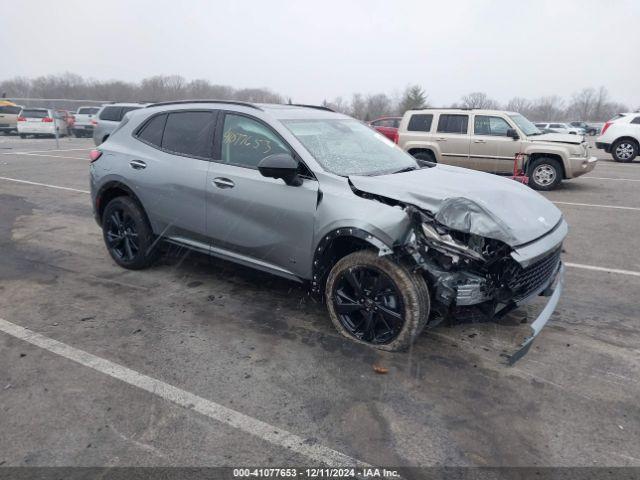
<point>620,137</point>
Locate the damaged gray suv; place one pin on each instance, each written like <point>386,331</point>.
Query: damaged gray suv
<point>393,245</point>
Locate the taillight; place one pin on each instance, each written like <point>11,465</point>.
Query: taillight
<point>93,122</point>
<point>95,155</point>
<point>22,119</point>
<point>604,127</point>
<point>47,120</point>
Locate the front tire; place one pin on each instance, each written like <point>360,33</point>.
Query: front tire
<point>375,301</point>
<point>127,234</point>
<point>426,156</point>
<point>545,174</point>
<point>624,150</point>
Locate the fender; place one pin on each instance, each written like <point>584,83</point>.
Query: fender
<point>322,260</point>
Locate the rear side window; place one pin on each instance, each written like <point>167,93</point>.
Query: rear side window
<point>245,142</point>
<point>30,113</point>
<point>420,123</point>
<point>151,132</point>
<point>453,123</point>
<point>112,114</point>
<point>636,120</point>
<point>9,110</point>
<point>189,133</point>
<point>88,111</point>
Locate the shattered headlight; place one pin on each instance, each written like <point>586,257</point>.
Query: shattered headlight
<point>444,241</point>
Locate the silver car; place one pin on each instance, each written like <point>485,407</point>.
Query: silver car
<point>108,119</point>
<point>392,245</point>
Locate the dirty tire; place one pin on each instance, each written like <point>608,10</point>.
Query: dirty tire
<point>624,150</point>
<point>545,174</point>
<point>142,250</point>
<point>411,287</point>
<point>426,156</point>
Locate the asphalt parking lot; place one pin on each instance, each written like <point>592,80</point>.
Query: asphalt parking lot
<point>199,362</point>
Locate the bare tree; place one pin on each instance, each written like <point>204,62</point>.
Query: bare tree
<point>519,105</point>
<point>478,100</point>
<point>547,108</point>
<point>358,106</point>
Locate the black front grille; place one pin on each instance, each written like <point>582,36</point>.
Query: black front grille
<point>527,281</point>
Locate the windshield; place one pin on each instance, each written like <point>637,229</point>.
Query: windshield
<point>525,125</point>
<point>347,147</point>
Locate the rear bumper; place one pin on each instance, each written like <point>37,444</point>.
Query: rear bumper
<point>554,291</point>
<point>604,146</point>
<point>37,128</point>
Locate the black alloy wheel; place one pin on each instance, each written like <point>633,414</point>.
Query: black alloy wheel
<point>369,305</point>
<point>122,235</point>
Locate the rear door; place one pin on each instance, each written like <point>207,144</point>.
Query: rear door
<point>490,149</point>
<point>452,138</point>
<point>260,221</point>
<point>168,167</point>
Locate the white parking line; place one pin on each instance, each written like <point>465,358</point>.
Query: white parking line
<point>54,156</point>
<point>603,269</point>
<point>608,178</point>
<point>596,205</point>
<point>43,185</point>
<point>47,151</point>
<point>269,433</point>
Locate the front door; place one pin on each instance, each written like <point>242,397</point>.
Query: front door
<point>256,220</point>
<point>491,149</point>
<point>452,138</point>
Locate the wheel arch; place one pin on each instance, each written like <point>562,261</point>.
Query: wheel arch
<point>628,138</point>
<point>535,155</point>
<point>111,190</point>
<point>337,244</point>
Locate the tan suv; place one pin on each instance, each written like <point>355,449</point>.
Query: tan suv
<point>488,140</point>
<point>9,117</point>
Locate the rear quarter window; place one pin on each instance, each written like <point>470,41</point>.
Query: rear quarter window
<point>151,132</point>
<point>636,120</point>
<point>420,123</point>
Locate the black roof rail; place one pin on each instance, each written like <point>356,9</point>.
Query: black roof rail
<point>317,107</point>
<point>231,102</point>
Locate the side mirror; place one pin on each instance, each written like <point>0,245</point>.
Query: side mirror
<point>281,165</point>
<point>511,132</point>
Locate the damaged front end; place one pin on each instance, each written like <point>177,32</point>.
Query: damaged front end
<point>480,277</point>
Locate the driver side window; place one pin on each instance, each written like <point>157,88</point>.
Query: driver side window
<point>245,142</point>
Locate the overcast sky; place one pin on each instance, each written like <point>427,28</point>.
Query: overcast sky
<point>322,49</point>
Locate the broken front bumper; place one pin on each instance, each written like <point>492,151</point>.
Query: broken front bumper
<point>553,291</point>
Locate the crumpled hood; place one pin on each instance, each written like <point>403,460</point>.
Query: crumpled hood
<point>557,138</point>
<point>469,201</point>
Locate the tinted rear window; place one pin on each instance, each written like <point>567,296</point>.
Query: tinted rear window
<point>88,111</point>
<point>9,110</point>
<point>151,132</point>
<point>420,123</point>
<point>453,123</point>
<point>35,113</point>
<point>113,114</point>
<point>189,133</point>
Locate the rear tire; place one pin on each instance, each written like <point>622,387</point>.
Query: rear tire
<point>387,310</point>
<point>624,150</point>
<point>545,174</point>
<point>128,235</point>
<point>23,136</point>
